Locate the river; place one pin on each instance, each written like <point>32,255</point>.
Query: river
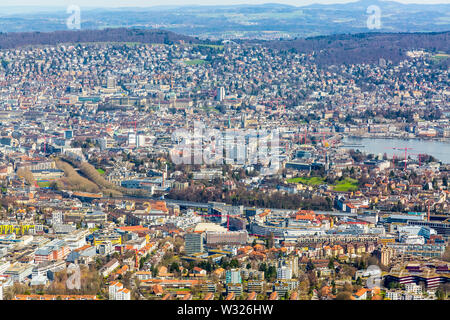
<point>438,149</point>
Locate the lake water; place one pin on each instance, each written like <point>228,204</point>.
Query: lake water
<point>439,150</point>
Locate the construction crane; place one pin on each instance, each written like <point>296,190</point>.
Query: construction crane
<point>419,157</point>
<point>45,142</point>
<point>406,154</point>
<point>132,122</point>
<point>323,133</point>
<point>427,202</point>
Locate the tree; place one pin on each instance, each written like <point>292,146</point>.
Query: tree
<point>345,295</point>
<point>440,295</point>
<point>313,281</point>
<point>174,267</point>
<point>359,281</point>
<point>27,175</point>
<point>331,264</point>
<point>348,287</point>
<point>154,270</point>
<point>269,241</point>
<point>446,255</point>
<point>270,273</point>
<point>234,263</point>
<point>310,266</point>
<point>263,267</point>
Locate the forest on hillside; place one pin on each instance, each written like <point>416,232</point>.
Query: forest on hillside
<point>20,39</point>
<point>365,47</point>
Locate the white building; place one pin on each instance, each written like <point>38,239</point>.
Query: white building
<point>409,239</point>
<point>57,217</point>
<point>233,276</point>
<point>284,273</point>
<point>393,295</point>
<point>118,292</point>
<point>413,288</point>
<point>220,94</point>
<point>76,239</point>
<point>109,267</point>
<point>4,265</point>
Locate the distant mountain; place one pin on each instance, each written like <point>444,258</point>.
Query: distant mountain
<point>267,21</point>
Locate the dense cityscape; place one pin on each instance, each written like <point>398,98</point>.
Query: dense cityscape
<point>229,171</point>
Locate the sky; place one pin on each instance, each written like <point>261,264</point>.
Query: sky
<point>149,3</point>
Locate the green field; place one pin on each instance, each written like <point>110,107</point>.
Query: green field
<point>345,185</point>
<point>101,171</point>
<point>194,62</point>
<point>43,184</point>
<point>210,109</point>
<point>312,181</point>
<point>440,57</point>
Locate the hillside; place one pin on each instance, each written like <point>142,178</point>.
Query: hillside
<point>327,50</point>
<point>365,47</point>
<point>18,39</point>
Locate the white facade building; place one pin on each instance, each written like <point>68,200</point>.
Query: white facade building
<point>284,273</point>
<point>118,292</point>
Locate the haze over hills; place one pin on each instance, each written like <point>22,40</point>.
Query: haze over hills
<point>267,21</point>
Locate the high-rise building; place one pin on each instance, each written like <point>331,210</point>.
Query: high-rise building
<point>111,82</point>
<point>193,243</point>
<point>292,263</point>
<point>132,139</point>
<point>385,255</point>
<point>233,276</point>
<point>220,94</point>
<point>284,273</point>
<point>57,217</point>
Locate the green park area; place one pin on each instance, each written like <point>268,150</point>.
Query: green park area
<point>310,181</point>
<point>440,57</point>
<point>344,185</point>
<point>194,62</point>
<point>43,184</point>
